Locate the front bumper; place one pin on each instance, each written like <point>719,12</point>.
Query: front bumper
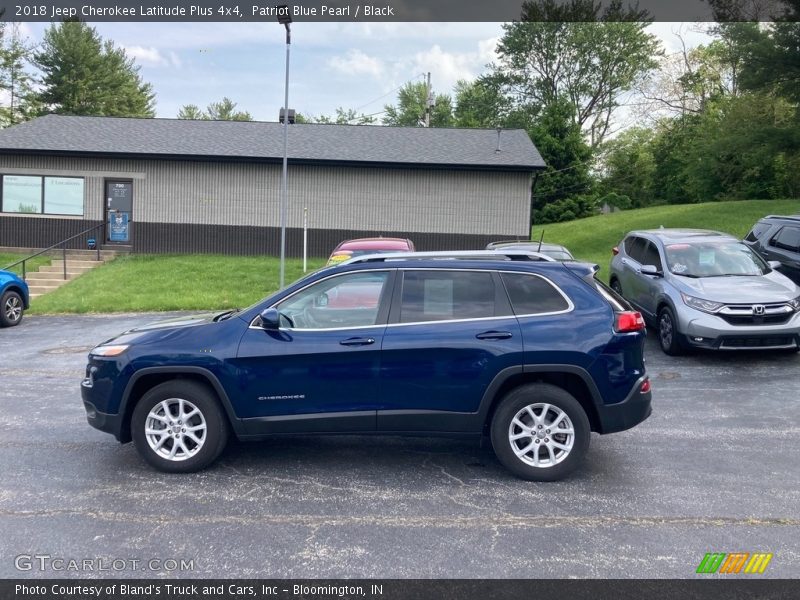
<point>712,332</point>
<point>109,423</point>
<point>102,421</point>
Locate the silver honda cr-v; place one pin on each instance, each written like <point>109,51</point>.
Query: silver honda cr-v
<point>706,289</point>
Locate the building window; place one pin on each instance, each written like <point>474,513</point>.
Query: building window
<point>63,195</point>
<point>42,195</point>
<point>22,194</point>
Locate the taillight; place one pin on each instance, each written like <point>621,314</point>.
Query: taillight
<point>645,386</point>
<point>630,320</point>
<point>615,251</point>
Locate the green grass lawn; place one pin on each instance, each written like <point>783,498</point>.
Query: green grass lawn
<point>591,239</point>
<point>199,282</point>
<point>171,282</point>
<point>31,265</point>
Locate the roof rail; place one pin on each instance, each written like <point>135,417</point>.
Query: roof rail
<point>453,255</point>
<point>795,217</point>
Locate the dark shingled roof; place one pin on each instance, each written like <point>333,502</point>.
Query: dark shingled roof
<point>313,143</point>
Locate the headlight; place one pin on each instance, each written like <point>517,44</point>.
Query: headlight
<point>795,304</point>
<point>109,350</point>
<point>700,304</point>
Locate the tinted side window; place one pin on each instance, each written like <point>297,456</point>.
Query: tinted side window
<point>634,247</point>
<point>788,238</point>
<point>446,295</point>
<point>650,256</point>
<point>531,295</point>
<point>759,229</point>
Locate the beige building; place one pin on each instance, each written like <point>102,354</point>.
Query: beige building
<point>163,185</point>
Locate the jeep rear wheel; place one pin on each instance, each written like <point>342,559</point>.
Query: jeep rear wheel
<point>540,432</point>
<point>179,427</point>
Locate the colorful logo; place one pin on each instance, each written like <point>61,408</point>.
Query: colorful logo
<point>734,562</point>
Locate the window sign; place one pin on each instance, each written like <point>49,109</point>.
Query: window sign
<point>22,194</point>
<point>63,195</point>
<point>118,227</point>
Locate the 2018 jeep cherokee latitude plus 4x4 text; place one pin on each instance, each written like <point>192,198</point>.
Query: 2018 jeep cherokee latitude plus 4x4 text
<point>534,353</point>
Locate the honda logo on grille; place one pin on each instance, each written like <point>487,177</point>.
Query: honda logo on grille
<point>758,309</point>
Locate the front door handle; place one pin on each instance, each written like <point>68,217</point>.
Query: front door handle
<point>357,341</point>
<point>494,335</point>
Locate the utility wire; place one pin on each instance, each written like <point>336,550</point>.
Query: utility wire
<point>389,92</point>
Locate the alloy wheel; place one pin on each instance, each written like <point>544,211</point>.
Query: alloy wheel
<point>175,429</point>
<point>541,435</point>
<point>13,308</point>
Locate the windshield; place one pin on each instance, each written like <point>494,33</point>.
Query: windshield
<point>714,259</point>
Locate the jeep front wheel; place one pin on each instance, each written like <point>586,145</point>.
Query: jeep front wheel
<point>540,432</point>
<point>179,427</point>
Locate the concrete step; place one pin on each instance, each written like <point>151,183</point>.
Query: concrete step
<point>49,284</point>
<point>59,274</point>
<point>76,262</point>
<point>116,248</point>
<point>51,277</point>
<point>60,269</point>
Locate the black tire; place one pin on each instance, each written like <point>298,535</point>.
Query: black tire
<point>11,309</point>
<point>533,395</point>
<point>669,338</point>
<point>206,402</point>
<point>616,286</point>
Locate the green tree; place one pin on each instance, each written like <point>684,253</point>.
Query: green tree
<point>566,184</point>
<point>84,75</point>
<point>346,117</point>
<point>15,80</point>
<point>770,56</point>
<point>191,112</point>
<point>627,166</point>
<point>224,110</point>
<point>412,102</point>
<point>481,103</point>
<point>577,54</point>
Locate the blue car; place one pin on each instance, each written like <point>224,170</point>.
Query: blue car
<point>533,353</point>
<point>14,299</point>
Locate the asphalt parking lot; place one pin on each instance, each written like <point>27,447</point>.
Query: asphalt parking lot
<point>715,469</point>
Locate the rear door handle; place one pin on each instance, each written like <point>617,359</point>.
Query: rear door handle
<point>357,341</point>
<point>494,335</point>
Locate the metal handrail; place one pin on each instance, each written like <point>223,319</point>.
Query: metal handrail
<point>63,251</point>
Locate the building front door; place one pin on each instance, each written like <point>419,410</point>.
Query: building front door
<point>119,211</point>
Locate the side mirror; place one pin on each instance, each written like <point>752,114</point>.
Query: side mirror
<point>270,319</point>
<point>774,264</point>
<point>650,270</point>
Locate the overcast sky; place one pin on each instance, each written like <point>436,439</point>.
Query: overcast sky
<point>356,65</point>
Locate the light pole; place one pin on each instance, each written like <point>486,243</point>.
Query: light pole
<point>285,19</point>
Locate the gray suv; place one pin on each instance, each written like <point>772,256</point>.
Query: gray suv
<point>705,289</point>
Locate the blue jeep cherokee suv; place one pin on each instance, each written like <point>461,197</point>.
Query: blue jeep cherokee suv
<point>532,352</point>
